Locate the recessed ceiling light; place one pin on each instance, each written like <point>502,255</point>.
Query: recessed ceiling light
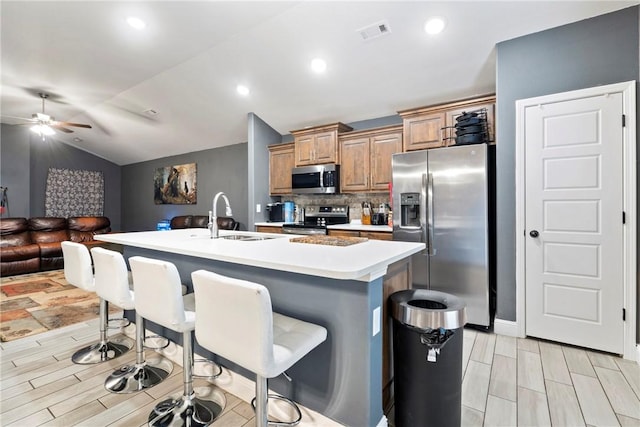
<point>136,23</point>
<point>242,90</point>
<point>318,65</point>
<point>435,25</point>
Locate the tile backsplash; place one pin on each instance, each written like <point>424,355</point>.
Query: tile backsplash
<point>354,201</point>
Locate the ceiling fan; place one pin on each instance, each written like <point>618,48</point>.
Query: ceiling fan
<point>44,125</point>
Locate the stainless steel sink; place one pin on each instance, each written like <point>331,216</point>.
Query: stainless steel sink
<point>245,238</point>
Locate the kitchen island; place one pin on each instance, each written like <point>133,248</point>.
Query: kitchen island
<point>339,288</point>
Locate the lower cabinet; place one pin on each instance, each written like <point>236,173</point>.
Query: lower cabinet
<point>269,229</point>
<point>376,235</point>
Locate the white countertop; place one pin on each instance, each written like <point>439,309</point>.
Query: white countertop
<point>363,261</point>
<point>361,227</point>
<point>348,227</point>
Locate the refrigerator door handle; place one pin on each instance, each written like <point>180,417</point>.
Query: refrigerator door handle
<point>430,225</point>
<point>424,217</point>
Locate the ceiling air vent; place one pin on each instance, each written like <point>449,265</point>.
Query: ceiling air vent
<point>375,30</point>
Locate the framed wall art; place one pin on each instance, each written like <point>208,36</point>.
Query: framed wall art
<point>175,185</point>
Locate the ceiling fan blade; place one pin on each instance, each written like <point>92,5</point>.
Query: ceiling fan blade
<point>17,118</point>
<point>79,125</point>
<point>60,128</point>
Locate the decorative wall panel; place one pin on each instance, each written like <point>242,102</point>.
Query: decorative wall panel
<point>74,193</point>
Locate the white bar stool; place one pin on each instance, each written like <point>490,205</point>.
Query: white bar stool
<point>113,282</point>
<point>158,298</point>
<point>78,272</point>
<point>234,319</point>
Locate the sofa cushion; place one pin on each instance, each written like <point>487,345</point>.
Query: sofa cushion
<point>48,229</point>
<point>19,253</point>
<point>14,232</point>
<point>47,224</point>
<point>97,224</point>
<point>181,221</point>
<point>200,221</point>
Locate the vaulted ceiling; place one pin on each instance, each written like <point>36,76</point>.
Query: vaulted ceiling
<point>185,65</point>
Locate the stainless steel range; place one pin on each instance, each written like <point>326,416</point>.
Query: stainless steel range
<point>316,219</point>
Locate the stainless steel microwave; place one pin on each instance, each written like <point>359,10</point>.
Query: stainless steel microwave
<point>317,179</point>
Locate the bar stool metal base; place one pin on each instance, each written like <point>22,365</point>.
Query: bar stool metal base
<point>196,411</point>
<point>288,401</point>
<point>102,351</point>
<point>136,377</point>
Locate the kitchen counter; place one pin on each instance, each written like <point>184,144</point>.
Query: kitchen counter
<point>362,262</point>
<point>347,227</point>
<point>340,288</point>
<point>361,227</point>
<point>270,224</point>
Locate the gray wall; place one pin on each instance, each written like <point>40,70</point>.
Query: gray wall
<point>14,169</point>
<point>261,135</point>
<point>597,51</point>
<point>26,160</point>
<point>218,169</point>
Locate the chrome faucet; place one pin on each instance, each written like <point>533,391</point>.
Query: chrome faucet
<point>213,214</point>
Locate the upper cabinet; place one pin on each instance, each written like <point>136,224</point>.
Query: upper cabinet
<point>281,161</point>
<point>366,159</point>
<point>425,127</point>
<point>318,145</point>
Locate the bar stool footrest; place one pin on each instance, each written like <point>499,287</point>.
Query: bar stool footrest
<point>216,374</point>
<point>124,322</point>
<point>164,342</point>
<point>286,400</point>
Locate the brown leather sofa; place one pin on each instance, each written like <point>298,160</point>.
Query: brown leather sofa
<point>201,221</point>
<point>31,245</point>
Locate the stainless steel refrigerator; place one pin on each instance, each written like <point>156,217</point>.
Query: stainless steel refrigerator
<point>444,198</point>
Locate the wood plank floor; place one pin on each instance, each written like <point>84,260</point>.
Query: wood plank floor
<point>506,382</point>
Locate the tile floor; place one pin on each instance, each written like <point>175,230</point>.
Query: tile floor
<point>506,382</point>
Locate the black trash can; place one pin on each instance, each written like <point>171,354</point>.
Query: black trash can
<point>427,357</point>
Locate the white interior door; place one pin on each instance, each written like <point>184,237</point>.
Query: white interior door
<point>574,247</point>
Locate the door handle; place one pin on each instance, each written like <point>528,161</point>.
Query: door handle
<point>534,233</point>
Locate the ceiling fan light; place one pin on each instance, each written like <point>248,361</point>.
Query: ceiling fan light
<point>42,130</point>
<point>43,117</point>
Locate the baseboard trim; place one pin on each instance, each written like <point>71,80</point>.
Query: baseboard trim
<point>505,327</point>
<point>242,387</point>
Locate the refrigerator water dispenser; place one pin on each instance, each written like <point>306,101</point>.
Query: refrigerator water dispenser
<point>410,210</point>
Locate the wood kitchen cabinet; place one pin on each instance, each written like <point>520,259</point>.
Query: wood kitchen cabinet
<point>318,145</point>
<point>376,235</point>
<point>281,161</point>
<point>365,159</point>
<point>423,127</point>
<point>269,229</point>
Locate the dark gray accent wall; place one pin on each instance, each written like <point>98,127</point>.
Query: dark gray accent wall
<point>26,160</point>
<point>53,154</point>
<point>260,136</point>
<point>218,169</point>
<point>14,169</point>
<point>593,52</point>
